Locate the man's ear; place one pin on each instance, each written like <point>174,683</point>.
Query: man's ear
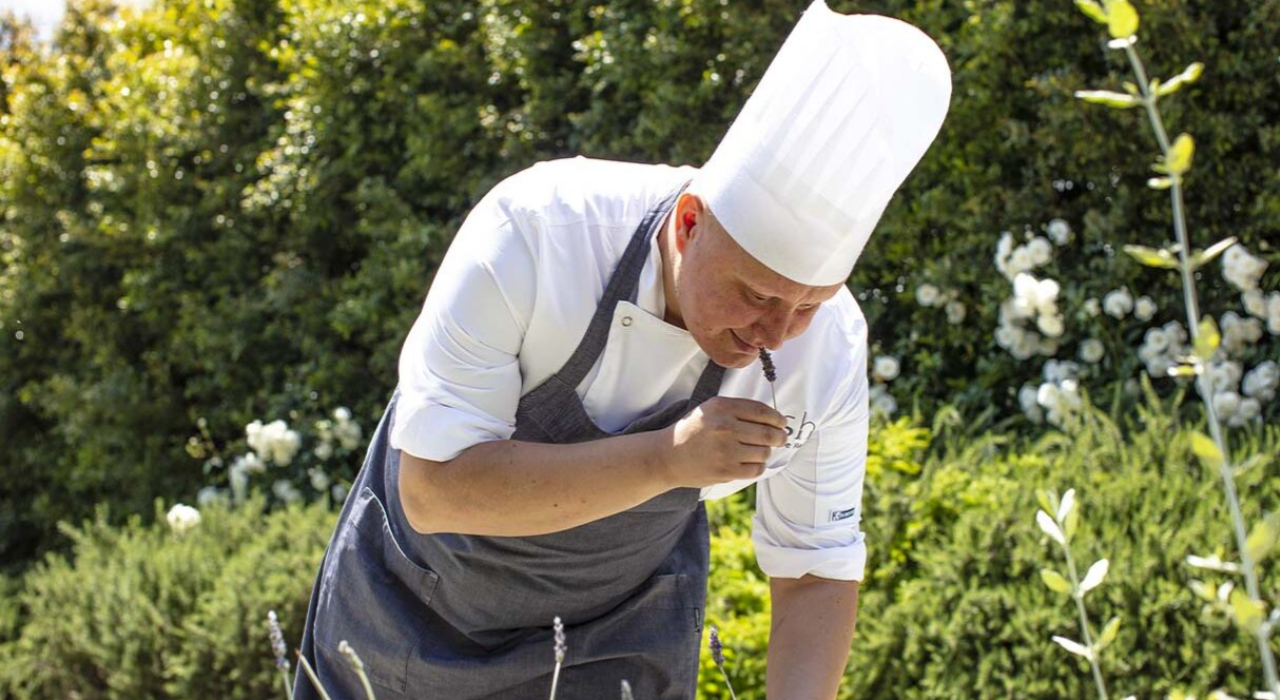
<point>689,213</point>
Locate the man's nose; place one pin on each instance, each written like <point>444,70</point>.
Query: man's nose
<point>771,329</point>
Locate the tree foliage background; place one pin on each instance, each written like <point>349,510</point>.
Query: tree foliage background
<point>231,209</point>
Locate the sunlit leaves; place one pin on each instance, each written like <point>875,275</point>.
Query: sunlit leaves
<point>1093,578</point>
<point>1055,581</point>
<point>1152,257</point>
<point>1183,149</point>
<point>1206,449</point>
<point>1050,528</point>
<point>1122,19</point>
<point>1093,10</point>
<point>1118,100</point>
<point>1074,647</point>
<point>1207,339</point>
<point>1191,74</point>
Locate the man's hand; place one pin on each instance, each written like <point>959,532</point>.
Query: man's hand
<point>722,440</point>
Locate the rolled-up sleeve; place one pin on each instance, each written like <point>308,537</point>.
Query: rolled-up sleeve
<point>808,516</point>
<point>459,367</point>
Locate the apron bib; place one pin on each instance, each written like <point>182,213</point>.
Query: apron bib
<point>461,617</point>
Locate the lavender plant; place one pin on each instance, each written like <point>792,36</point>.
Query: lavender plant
<point>560,650</point>
<point>279,650</point>
<point>770,374</point>
<point>1246,607</point>
<point>1058,520</point>
<point>717,655</point>
<point>356,665</point>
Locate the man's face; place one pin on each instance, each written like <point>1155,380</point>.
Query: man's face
<point>730,302</point>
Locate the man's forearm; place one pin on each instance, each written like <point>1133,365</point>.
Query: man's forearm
<point>812,630</point>
<point>511,488</point>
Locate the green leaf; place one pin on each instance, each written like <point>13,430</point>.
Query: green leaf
<point>1160,183</point>
<point>1048,501</point>
<point>1203,257</point>
<point>1262,539</point>
<point>1093,10</point>
<point>1152,257</point>
<point>1178,161</point>
<point>1183,371</point>
<point>1069,525</point>
<point>1247,613</point>
<point>1118,100</point>
<point>1055,581</point>
<point>1207,339</point>
<point>1122,19</point>
<point>1109,633</point>
<point>1206,449</point>
<point>1132,89</point>
<point>1186,77</point>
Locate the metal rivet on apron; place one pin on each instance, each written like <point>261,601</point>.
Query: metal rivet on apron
<point>626,320</point>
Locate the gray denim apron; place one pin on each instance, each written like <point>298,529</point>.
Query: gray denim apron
<point>457,617</point>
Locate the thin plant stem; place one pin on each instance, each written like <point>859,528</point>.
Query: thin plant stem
<point>311,674</point>
<point>732,695</point>
<point>555,679</point>
<point>1084,625</point>
<point>288,687</point>
<point>1203,387</point>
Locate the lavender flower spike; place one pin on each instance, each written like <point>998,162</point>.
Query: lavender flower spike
<point>356,665</point>
<point>277,641</point>
<point>717,655</point>
<point>770,373</point>
<point>560,650</point>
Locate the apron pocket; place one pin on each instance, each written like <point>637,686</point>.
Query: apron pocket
<point>372,594</point>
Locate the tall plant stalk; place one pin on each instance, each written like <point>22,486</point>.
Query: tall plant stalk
<point>1122,22</point>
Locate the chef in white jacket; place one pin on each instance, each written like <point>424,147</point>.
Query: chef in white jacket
<point>587,370</point>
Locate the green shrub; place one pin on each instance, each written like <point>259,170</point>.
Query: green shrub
<point>138,611</point>
<point>954,605</point>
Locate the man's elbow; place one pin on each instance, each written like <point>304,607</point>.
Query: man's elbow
<point>419,479</point>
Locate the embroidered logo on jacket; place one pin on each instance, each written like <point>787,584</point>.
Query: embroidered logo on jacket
<point>798,433</point>
<point>838,515</point>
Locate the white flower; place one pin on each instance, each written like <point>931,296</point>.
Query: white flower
<point>955,312</point>
<point>1021,260</point>
<point>1050,325</point>
<point>885,368</point>
<point>339,492</point>
<point>1059,371</point>
<point>1224,375</point>
<point>881,401</point>
<point>1059,231</point>
<point>927,294</point>
<point>319,479</point>
<point>1239,333</point>
<point>1255,304</point>
<point>1262,381</point>
<point>1273,313</point>
<point>1242,269</point>
<point>249,463</point>
<point>1250,409</point>
<point>348,434</point>
<point>1092,307</point>
<point>1092,350</point>
<point>1118,303</point>
<point>286,491</point>
<point>1226,403</point>
<point>1040,250</point>
<point>323,451</point>
<point>1156,339</point>
<point>182,517</point>
<point>1144,308</point>
<point>1025,346</point>
<point>1030,405</point>
<point>1003,251</point>
<point>1007,336</point>
<point>239,477</point>
<point>273,442</point>
<point>342,414</point>
<point>207,496</point>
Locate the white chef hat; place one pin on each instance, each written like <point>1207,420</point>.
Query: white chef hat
<point>843,113</point>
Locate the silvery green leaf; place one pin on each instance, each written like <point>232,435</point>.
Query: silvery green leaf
<point>1055,581</point>
<point>1068,502</point>
<point>1122,19</point>
<point>1093,10</point>
<point>1047,499</point>
<point>1262,538</point>
<point>1094,576</point>
<point>1186,77</point>
<point>1184,371</point>
<point>1206,449</point>
<point>1152,257</point>
<point>1069,527</point>
<point>1207,339</point>
<point>1122,43</point>
<point>1246,612</point>
<point>1206,591</point>
<point>1213,563</point>
<point>1109,633</point>
<point>1160,183</point>
<point>1180,153</point>
<point>1050,528</point>
<point>1074,647</point>
<point>1200,258</point>
<point>1119,100</point>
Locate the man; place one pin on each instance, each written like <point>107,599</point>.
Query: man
<point>584,374</point>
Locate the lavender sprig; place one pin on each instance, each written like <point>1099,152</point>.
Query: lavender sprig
<point>279,648</point>
<point>356,665</point>
<point>717,648</point>
<point>560,649</point>
<point>311,674</point>
<point>770,373</point>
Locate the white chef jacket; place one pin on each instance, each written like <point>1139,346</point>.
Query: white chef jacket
<point>513,298</point>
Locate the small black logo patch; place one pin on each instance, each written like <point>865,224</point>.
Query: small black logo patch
<point>838,515</point>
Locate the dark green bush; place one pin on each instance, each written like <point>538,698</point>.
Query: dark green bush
<point>139,611</point>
